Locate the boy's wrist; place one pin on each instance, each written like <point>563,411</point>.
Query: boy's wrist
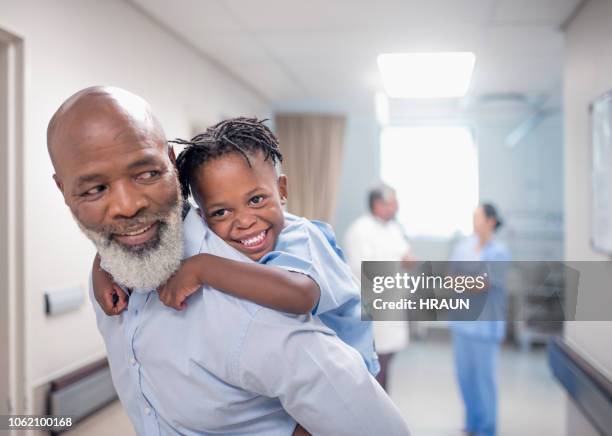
<point>199,266</point>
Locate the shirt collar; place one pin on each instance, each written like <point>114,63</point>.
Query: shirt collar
<point>195,232</point>
<point>381,221</point>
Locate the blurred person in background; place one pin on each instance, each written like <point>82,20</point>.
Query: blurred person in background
<point>476,343</point>
<point>377,236</point>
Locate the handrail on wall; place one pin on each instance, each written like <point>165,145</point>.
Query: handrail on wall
<point>588,387</point>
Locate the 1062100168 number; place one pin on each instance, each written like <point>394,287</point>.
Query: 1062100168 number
<point>41,422</point>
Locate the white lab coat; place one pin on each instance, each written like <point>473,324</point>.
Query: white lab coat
<point>370,238</point>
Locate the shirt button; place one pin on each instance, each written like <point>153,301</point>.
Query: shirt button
<point>147,410</point>
<point>133,361</point>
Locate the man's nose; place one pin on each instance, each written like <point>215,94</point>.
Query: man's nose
<point>127,200</point>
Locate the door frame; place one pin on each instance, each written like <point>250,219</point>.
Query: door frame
<point>12,298</point>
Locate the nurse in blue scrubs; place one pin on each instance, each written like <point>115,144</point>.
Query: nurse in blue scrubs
<point>476,344</point>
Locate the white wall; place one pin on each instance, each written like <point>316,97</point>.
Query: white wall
<point>526,182</point>
<point>588,74</point>
<point>360,169</point>
<point>69,45</point>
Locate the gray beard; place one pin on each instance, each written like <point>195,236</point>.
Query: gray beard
<point>145,268</point>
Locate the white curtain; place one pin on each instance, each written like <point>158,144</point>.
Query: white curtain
<point>312,153</point>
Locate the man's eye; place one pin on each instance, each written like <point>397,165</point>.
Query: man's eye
<point>256,199</point>
<point>93,191</point>
<point>147,175</point>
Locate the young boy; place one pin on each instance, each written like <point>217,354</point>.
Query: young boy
<point>231,172</point>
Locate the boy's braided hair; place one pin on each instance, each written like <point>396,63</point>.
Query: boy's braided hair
<point>240,135</point>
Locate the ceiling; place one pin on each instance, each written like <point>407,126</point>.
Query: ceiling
<point>324,51</point>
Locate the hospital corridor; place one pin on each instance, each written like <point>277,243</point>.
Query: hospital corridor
<point>332,217</point>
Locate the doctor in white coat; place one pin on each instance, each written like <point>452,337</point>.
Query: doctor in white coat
<point>377,236</point>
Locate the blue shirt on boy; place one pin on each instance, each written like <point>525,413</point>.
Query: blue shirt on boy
<point>309,247</point>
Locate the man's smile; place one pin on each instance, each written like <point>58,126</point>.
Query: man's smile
<point>137,236</point>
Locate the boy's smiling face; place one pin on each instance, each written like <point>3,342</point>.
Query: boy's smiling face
<point>242,204</point>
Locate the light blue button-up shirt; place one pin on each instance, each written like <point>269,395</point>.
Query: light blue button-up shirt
<point>309,247</point>
<point>229,366</point>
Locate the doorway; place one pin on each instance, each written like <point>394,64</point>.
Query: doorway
<point>12,332</point>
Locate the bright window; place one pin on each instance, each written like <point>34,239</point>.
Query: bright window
<point>434,170</point>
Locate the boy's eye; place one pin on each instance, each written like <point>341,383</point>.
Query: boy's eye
<point>256,199</point>
<point>219,213</point>
<point>93,191</point>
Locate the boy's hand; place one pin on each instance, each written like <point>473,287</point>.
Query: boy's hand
<point>181,285</point>
<point>300,431</point>
<point>111,298</point>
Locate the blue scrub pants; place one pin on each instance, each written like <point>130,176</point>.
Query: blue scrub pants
<point>476,362</point>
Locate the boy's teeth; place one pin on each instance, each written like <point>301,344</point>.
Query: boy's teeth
<point>254,240</point>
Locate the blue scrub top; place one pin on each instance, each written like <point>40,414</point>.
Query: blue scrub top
<point>492,251</point>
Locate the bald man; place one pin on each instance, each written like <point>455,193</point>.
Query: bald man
<point>224,365</point>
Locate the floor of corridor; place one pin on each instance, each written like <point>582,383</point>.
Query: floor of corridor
<point>423,387</point>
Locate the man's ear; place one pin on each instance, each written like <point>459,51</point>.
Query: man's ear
<point>282,188</point>
<point>60,186</point>
<point>58,183</point>
<point>171,155</point>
